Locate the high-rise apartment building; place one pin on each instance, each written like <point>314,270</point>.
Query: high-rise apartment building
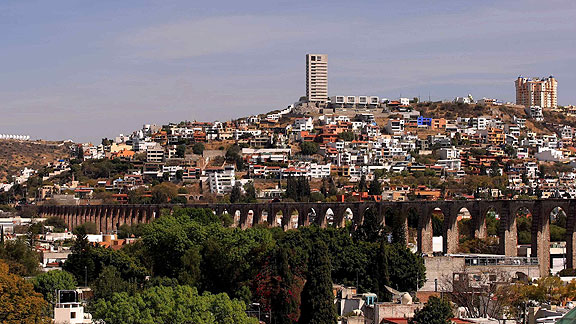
<point>317,77</point>
<point>537,92</point>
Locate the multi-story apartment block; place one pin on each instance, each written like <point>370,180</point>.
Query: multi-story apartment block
<point>303,124</point>
<point>354,101</point>
<point>155,153</point>
<point>395,126</point>
<point>535,112</point>
<point>317,77</point>
<point>221,180</point>
<point>537,92</point>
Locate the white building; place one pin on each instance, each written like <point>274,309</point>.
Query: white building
<point>489,102</point>
<point>303,124</point>
<point>221,180</point>
<point>463,100</point>
<point>317,77</point>
<point>535,112</point>
<point>549,155</point>
<point>449,153</point>
<point>252,132</point>
<point>155,153</point>
<point>316,170</point>
<point>354,101</point>
<point>395,126</point>
<point>69,310</point>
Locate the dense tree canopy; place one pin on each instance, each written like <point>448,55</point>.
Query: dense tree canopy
<point>194,247</point>
<point>179,304</point>
<point>436,311</point>
<point>309,148</point>
<point>20,258</point>
<point>19,303</point>
<point>298,189</point>
<point>317,297</point>
<point>48,283</point>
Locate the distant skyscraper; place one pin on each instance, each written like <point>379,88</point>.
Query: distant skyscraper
<point>537,92</point>
<point>317,77</point>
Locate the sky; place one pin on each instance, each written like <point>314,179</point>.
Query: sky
<point>84,70</point>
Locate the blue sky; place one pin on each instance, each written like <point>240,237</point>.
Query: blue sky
<point>83,70</point>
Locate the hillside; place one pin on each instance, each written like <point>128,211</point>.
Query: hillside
<point>452,111</point>
<point>15,155</point>
<point>506,113</point>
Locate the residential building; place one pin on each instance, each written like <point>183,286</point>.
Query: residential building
<point>535,112</point>
<point>221,180</point>
<point>317,77</point>
<point>404,101</point>
<point>155,153</point>
<point>354,101</point>
<point>303,124</point>
<point>449,153</point>
<point>395,126</point>
<point>537,92</point>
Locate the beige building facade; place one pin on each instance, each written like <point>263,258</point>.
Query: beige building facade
<point>537,92</point>
<point>317,77</point>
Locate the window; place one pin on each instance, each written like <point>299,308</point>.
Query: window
<point>72,314</point>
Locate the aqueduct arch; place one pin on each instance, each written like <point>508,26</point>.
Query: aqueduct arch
<point>109,218</point>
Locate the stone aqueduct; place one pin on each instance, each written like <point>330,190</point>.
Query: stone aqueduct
<point>109,218</point>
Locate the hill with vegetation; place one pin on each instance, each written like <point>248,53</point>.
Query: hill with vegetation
<point>16,155</point>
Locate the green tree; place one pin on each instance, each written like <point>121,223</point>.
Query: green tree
<point>436,311</point>
<point>284,301</point>
<point>317,298</point>
<point>291,188</point>
<point>165,304</point>
<point>164,192</point>
<point>406,269</point>
<point>80,153</point>
<point>236,194</point>
<point>87,261</point>
<point>375,187</point>
<point>250,193</point>
<point>233,155</point>
<point>396,226</point>
<point>109,282</point>
<point>48,283</point>
<point>191,261</point>
<point>382,273</point>
<point>58,224</point>
<point>346,136</point>
<point>198,148</point>
<point>371,228</point>
<point>303,189</point>
<point>20,257</point>
<point>179,200</point>
<point>298,189</point>
<point>180,150</point>
<point>362,184</point>
<point>309,148</point>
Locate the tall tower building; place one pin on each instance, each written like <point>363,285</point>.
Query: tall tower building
<point>537,92</point>
<point>317,77</point>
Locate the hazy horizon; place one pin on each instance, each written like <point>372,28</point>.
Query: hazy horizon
<point>87,70</point>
